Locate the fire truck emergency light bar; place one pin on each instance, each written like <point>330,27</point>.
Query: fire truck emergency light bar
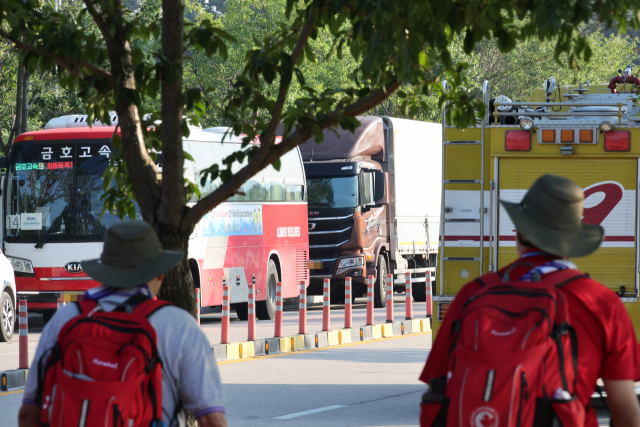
<point>520,140</point>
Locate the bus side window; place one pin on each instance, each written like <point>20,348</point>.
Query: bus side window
<point>274,183</point>
<point>254,189</point>
<point>292,169</point>
<point>295,193</point>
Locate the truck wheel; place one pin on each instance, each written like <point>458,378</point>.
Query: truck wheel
<point>337,295</point>
<point>380,286</point>
<point>242,310</point>
<point>8,315</point>
<point>418,291</point>
<point>266,310</point>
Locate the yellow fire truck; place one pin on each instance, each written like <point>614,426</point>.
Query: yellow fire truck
<point>583,132</point>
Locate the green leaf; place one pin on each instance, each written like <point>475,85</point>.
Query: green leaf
<point>309,53</point>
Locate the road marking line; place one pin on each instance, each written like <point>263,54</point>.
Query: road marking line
<point>6,393</point>
<point>309,412</point>
<point>17,352</point>
<point>321,349</point>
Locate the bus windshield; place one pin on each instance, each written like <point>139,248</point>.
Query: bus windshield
<point>54,188</point>
<point>334,192</point>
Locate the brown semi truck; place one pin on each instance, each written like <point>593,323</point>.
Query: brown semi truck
<point>374,202</point>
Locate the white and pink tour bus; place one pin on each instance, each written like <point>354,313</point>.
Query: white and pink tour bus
<point>52,206</point>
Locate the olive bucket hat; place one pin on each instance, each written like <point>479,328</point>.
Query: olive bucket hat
<point>131,255</point>
<point>550,217</point>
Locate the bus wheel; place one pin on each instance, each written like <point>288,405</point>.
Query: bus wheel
<point>380,286</point>
<point>47,315</point>
<point>8,315</point>
<point>242,310</point>
<point>266,310</point>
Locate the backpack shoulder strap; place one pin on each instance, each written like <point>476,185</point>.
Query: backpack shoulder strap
<point>563,277</point>
<point>490,279</point>
<point>150,306</point>
<point>85,306</point>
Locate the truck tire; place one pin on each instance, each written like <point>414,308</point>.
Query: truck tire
<point>266,310</point>
<point>242,310</point>
<point>8,315</point>
<point>380,286</point>
<point>418,291</point>
<point>337,295</point>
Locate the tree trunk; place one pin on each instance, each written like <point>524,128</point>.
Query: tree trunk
<point>178,284</point>
<point>25,101</point>
<point>17,124</point>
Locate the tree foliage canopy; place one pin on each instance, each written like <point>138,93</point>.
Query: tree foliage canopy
<point>309,64</point>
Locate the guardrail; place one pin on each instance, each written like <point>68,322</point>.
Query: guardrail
<point>618,113</point>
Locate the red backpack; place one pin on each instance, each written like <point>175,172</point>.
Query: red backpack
<point>104,369</point>
<point>513,361</point>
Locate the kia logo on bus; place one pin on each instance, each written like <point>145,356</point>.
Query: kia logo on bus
<point>73,267</point>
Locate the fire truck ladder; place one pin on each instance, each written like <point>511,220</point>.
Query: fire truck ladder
<point>442,299</point>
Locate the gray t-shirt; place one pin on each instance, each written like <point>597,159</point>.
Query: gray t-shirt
<point>189,370</point>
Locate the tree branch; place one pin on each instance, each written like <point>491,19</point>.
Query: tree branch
<point>97,17</point>
<point>269,134</point>
<point>62,61</point>
<point>274,152</point>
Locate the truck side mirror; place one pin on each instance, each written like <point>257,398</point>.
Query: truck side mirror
<point>381,194</point>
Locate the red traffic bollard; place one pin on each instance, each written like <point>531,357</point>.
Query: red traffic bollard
<point>225,312</point>
<point>389,298</point>
<point>347,302</point>
<point>408,295</point>
<point>326,301</point>
<point>23,344</point>
<point>370,282</point>
<point>303,308</point>
<point>198,305</point>
<point>252,309</point>
<point>427,289</point>
<point>278,331</point>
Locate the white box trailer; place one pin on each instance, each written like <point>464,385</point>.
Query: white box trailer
<point>415,171</point>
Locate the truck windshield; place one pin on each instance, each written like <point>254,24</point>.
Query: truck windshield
<point>54,188</point>
<point>334,192</point>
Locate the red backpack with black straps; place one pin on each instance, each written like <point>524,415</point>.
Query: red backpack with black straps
<point>513,359</point>
<point>104,369</point>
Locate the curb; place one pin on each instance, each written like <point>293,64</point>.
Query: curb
<point>300,342</point>
<point>13,379</point>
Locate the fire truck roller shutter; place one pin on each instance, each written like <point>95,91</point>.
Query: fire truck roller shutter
<point>610,200</point>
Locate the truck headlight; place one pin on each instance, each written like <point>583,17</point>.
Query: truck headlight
<point>350,262</point>
<point>21,265</point>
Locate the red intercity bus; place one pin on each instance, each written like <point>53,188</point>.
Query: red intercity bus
<point>52,218</point>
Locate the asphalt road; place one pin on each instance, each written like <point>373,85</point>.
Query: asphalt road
<point>210,324</point>
<point>373,383</point>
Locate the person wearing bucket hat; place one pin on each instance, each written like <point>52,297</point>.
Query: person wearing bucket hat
<point>131,269</point>
<point>549,230</point>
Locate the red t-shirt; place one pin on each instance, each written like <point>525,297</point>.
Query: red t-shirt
<point>607,345</point>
